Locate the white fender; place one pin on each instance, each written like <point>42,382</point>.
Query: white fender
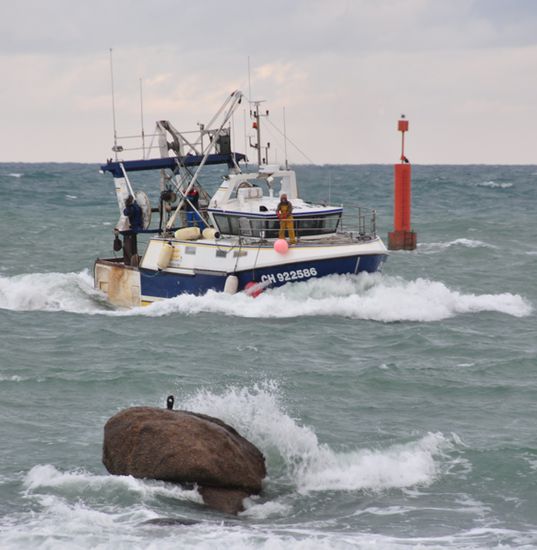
<point>188,233</point>
<point>210,233</point>
<point>165,256</point>
<point>232,284</point>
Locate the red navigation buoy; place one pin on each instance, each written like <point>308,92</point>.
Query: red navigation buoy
<point>402,237</point>
<point>253,289</point>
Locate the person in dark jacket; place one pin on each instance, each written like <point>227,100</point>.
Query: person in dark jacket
<point>134,213</point>
<point>136,221</point>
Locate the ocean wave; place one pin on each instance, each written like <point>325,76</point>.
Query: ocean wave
<point>257,413</point>
<point>80,527</point>
<point>77,484</point>
<point>15,175</point>
<point>494,185</point>
<point>70,292</point>
<point>438,247</point>
<point>12,378</point>
<point>264,510</point>
<point>369,297</point>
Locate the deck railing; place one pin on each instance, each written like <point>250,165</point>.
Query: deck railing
<point>358,222</point>
<point>359,219</point>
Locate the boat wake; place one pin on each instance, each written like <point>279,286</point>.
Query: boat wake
<point>366,296</point>
<point>69,292</point>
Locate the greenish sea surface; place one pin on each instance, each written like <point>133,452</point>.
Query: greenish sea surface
<point>395,410</point>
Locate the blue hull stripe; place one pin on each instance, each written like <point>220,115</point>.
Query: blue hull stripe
<point>162,284</point>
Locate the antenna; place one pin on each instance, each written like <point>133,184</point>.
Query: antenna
<point>256,115</point>
<point>115,148</point>
<point>232,131</point>
<point>245,145</point>
<point>285,140</point>
<point>249,83</point>
<point>142,118</point>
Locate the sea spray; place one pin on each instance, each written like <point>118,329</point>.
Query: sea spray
<point>258,414</point>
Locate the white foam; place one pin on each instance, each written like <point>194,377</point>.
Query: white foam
<point>398,466</point>
<point>257,413</point>
<point>372,297</point>
<point>12,378</point>
<point>256,510</point>
<point>15,175</point>
<point>72,292</point>
<point>67,513</point>
<point>46,476</point>
<point>311,466</point>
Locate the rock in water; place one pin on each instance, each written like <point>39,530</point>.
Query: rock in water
<point>184,447</point>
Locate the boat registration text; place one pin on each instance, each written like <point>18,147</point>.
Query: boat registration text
<point>286,276</point>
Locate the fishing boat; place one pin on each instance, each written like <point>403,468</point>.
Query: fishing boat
<point>231,240</point>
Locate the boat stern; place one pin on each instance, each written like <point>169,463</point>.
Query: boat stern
<point>119,282</point>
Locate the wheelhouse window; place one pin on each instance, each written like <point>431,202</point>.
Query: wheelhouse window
<point>317,225</point>
<point>306,226</point>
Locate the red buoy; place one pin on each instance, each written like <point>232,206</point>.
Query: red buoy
<point>402,237</point>
<point>253,289</point>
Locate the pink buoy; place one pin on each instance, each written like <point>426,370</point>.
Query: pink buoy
<point>281,246</point>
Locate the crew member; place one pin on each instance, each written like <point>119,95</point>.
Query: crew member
<point>134,213</point>
<point>192,209</point>
<point>284,211</point>
<point>136,221</point>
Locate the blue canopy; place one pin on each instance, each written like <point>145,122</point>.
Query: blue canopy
<point>169,162</point>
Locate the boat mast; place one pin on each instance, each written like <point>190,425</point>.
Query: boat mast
<point>115,148</point>
<point>285,140</point>
<point>142,118</point>
<point>256,115</point>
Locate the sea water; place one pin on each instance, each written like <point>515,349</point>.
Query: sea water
<point>394,410</point>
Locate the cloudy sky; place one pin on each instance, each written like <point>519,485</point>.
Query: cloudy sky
<point>464,72</point>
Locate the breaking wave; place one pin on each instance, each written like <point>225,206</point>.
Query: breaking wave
<point>370,297</point>
<point>294,455</point>
<point>70,292</point>
<point>257,413</point>
<point>78,484</point>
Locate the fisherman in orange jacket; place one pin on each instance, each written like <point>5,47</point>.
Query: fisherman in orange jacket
<point>284,211</point>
